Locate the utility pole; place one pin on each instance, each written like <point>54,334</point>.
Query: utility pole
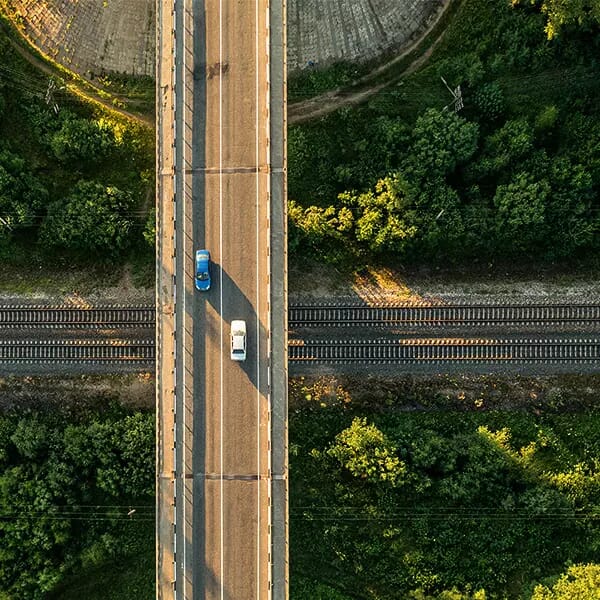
<point>457,100</point>
<point>49,97</point>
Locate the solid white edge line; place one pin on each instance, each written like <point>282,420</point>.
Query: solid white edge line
<point>161,124</point>
<point>183,295</point>
<point>221,290</point>
<point>258,291</point>
<point>269,332</point>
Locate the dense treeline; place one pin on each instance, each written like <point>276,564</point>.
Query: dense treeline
<point>394,504</point>
<point>66,487</point>
<point>75,180</point>
<point>516,173</point>
<point>561,15</point>
<point>386,502</point>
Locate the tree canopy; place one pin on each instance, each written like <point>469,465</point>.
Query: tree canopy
<point>92,218</point>
<point>580,582</point>
<point>367,453</point>
<point>64,489</point>
<point>564,13</point>
<point>21,193</point>
<point>393,503</point>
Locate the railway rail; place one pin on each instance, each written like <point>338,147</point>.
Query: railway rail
<point>383,351</point>
<point>322,315</point>
<point>55,317</point>
<point>475,315</point>
<point>77,351</point>
<point>307,349</point>
<point>444,350</point>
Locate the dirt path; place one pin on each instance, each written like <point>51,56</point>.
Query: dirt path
<point>357,92</point>
<point>88,90</point>
<point>320,106</point>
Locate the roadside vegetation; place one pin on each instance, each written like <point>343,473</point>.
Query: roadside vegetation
<point>130,94</point>
<point>399,492</point>
<point>76,179</point>
<point>77,502</point>
<point>439,488</point>
<point>408,489</point>
<point>514,175</point>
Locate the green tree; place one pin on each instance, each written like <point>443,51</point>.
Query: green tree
<point>563,13</point>
<point>452,594</point>
<point>520,209</point>
<point>365,452</point>
<point>93,218</point>
<point>489,101</point>
<point>580,582</point>
<point>82,140</point>
<point>115,454</point>
<point>53,471</point>
<point>440,220</point>
<point>317,227</point>
<point>32,439</point>
<point>441,140</point>
<point>568,218</point>
<point>382,219</point>
<point>391,137</point>
<point>150,228</point>
<point>298,150</point>
<point>546,118</point>
<point>21,194</point>
<point>503,149</point>
<point>33,540</point>
<point>461,68</point>
<point>581,135</point>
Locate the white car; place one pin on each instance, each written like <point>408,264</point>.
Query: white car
<point>238,340</point>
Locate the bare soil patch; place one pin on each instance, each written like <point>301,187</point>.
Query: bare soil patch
<point>74,395</point>
<point>375,285</point>
<point>372,394</point>
<point>67,284</point>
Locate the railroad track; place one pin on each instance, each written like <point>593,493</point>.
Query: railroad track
<point>304,350</point>
<point>557,315</point>
<point>77,351</point>
<point>334,315</point>
<point>424,351</point>
<point>416,351</point>
<point>57,317</point>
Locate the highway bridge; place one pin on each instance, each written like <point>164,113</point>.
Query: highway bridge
<point>221,425</point>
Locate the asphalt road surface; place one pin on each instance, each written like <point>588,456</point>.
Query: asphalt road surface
<point>221,434</point>
<point>223,180</point>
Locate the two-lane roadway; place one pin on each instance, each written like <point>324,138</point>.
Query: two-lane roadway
<point>214,463</point>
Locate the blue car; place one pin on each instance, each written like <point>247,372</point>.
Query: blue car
<point>202,279</point>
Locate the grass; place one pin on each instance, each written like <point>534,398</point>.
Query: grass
<point>143,267</point>
<point>313,81</point>
<point>439,394</point>
<point>32,271</point>
<point>140,91</point>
